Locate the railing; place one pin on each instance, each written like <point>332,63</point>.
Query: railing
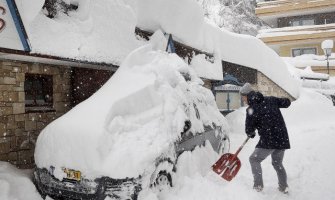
<point>271,3</point>
<point>297,29</point>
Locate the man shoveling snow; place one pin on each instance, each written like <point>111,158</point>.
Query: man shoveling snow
<point>263,115</point>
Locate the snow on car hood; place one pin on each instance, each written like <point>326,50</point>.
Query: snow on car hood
<point>134,118</point>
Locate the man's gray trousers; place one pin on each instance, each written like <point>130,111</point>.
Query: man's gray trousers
<point>277,156</point>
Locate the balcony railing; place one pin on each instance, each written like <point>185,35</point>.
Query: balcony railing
<point>271,3</point>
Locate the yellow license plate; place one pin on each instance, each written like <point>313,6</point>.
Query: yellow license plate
<point>72,174</point>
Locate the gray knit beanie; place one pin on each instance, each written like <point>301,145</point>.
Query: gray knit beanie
<point>246,89</point>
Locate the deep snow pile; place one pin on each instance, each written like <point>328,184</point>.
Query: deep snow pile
<point>309,164</point>
<point>16,184</point>
<point>130,121</point>
<point>97,31</point>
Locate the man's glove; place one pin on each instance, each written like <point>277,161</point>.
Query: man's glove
<point>252,135</point>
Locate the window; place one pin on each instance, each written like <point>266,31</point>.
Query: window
<point>301,51</point>
<point>330,20</point>
<point>302,22</point>
<point>38,90</point>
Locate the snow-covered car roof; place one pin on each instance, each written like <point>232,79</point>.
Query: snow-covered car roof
<point>138,114</point>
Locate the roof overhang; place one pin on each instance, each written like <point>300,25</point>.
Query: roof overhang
<point>10,54</point>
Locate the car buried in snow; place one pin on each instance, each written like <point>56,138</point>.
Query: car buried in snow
<point>128,135</point>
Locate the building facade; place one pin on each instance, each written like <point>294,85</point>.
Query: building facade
<point>298,27</point>
<point>32,95</point>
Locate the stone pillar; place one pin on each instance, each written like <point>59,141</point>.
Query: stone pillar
<point>269,88</point>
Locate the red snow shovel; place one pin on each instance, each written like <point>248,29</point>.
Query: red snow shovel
<point>228,165</point>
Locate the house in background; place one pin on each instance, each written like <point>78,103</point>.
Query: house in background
<point>298,27</point>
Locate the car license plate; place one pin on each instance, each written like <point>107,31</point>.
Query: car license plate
<point>72,174</point>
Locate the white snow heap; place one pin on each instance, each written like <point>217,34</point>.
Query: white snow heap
<point>131,120</point>
<point>100,31</point>
<point>207,69</point>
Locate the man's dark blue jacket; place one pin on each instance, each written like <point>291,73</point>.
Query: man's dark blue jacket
<point>264,115</point>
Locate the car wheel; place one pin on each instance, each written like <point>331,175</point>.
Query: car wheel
<point>163,181</point>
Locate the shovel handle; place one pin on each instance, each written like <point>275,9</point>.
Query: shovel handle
<point>239,149</point>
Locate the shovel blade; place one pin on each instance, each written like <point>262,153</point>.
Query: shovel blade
<point>227,166</point>
<point>232,170</point>
<point>222,163</point>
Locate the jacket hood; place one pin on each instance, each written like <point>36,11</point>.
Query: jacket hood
<point>255,98</point>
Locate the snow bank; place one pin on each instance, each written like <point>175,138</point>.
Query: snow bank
<point>309,168</point>
<point>134,118</point>
<point>16,184</point>
<point>316,108</point>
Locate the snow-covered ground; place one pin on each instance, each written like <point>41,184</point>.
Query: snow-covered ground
<point>309,164</point>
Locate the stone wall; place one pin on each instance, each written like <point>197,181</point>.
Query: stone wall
<point>19,128</point>
<point>269,88</point>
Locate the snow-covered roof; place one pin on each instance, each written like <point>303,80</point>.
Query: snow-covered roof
<point>103,31</point>
<point>97,31</point>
